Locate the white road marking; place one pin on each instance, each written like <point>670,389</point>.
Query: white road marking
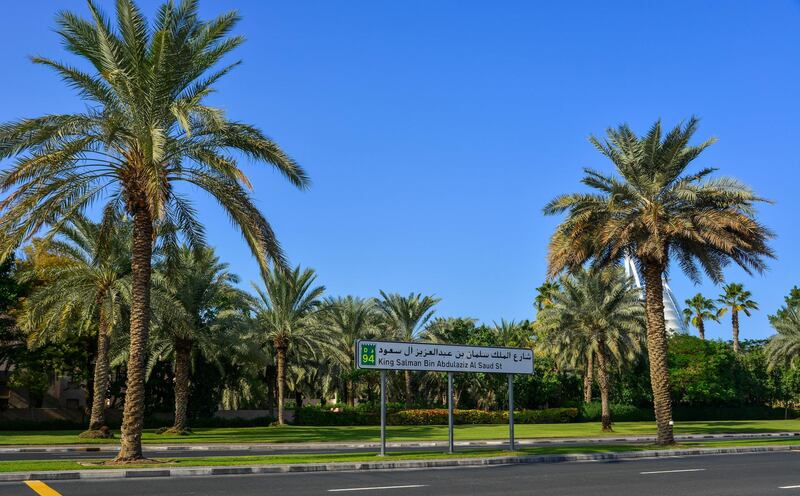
<point>375,488</point>
<point>672,471</point>
<point>789,487</point>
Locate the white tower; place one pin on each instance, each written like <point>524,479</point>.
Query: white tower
<point>672,311</point>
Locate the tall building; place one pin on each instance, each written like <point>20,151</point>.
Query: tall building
<point>672,311</point>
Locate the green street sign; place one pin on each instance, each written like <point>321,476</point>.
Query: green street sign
<point>367,355</point>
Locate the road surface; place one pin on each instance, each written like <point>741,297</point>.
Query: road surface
<point>746,475</point>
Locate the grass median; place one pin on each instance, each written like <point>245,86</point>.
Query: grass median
<point>311,434</point>
<point>173,462</point>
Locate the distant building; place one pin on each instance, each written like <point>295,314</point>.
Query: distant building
<point>672,310</point>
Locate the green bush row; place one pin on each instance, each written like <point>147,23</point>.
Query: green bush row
<point>54,425</point>
<point>628,413</point>
<point>310,415</point>
<point>432,416</point>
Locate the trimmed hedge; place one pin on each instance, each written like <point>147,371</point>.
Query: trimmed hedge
<point>311,415</point>
<point>619,413</point>
<point>628,413</point>
<point>431,416</point>
<point>463,417</point>
<point>688,413</point>
<point>150,423</point>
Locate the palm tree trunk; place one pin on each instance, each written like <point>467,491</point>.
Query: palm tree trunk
<point>701,328</point>
<point>587,381</point>
<point>133,414</point>
<point>281,359</point>
<point>602,381</point>
<point>91,364</point>
<point>735,325</point>
<point>351,400</point>
<point>183,352</point>
<point>98,419</point>
<point>409,393</point>
<point>657,352</point>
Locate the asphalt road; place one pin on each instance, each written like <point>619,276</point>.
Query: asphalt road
<point>730,475</point>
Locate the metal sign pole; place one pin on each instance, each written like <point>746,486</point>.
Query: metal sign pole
<point>383,413</point>
<point>511,411</point>
<point>450,412</point>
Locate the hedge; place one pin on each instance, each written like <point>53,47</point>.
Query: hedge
<point>619,413</point>
<point>150,423</point>
<point>310,415</point>
<point>628,413</point>
<point>461,417</point>
<point>432,416</point>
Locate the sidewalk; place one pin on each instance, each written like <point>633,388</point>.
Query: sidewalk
<point>277,447</point>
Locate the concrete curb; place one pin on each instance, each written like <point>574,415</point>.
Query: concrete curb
<point>357,466</point>
<point>402,444</point>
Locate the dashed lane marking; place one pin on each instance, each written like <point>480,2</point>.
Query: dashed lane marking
<point>376,488</point>
<point>672,471</point>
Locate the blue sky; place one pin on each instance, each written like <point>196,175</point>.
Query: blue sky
<point>434,132</point>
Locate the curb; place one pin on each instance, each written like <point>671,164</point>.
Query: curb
<point>358,466</point>
<point>400,444</point>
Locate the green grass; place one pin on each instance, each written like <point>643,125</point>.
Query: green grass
<point>303,434</point>
<point>68,465</point>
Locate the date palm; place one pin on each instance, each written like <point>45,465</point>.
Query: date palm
<point>349,318</point>
<point>544,294</point>
<point>146,128</point>
<point>199,294</point>
<point>404,318</point>
<point>736,299</point>
<point>700,309</point>
<point>657,212</point>
<point>783,349</point>
<point>286,319</point>
<point>449,330</point>
<point>511,333</point>
<point>597,314</point>
<point>88,283</point>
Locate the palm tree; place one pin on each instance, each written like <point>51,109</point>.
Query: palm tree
<point>544,294</point>
<point>349,318</point>
<point>88,274</point>
<point>404,317</point>
<point>736,299</point>
<point>147,127</point>
<point>286,318</point>
<point>698,310</point>
<point>657,213</point>
<point>200,293</point>
<point>595,314</point>
<point>448,330</point>
<point>783,349</point>
<point>510,334</point>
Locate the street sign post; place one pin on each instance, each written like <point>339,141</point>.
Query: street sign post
<point>451,358</point>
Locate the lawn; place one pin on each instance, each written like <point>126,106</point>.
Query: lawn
<point>304,434</point>
<point>68,465</point>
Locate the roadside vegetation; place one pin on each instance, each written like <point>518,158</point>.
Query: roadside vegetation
<point>107,278</point>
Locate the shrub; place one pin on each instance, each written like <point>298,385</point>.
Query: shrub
<point>545,416</point>
<point>463,417</point>
<point>312,415</point>
<point>619,413</point>
<point>689,413</point>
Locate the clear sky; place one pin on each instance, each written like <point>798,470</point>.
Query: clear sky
<point>434,132</point>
